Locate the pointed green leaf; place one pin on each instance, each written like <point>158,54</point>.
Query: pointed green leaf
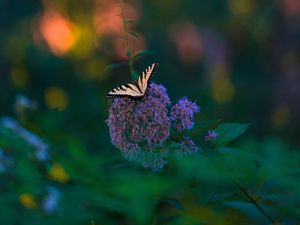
<point>209,124</point>
<point>229,131</point>
<point>142,53</point>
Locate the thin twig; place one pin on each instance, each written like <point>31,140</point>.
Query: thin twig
<point>254,202</point>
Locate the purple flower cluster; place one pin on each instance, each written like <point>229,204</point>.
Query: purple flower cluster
<point>40,146</point>
<point>140,128</point>
<point>141,124</point>
<point>188,147</point>
<point>51,200</point>
<point>182,114</point>
<point>211,135</point>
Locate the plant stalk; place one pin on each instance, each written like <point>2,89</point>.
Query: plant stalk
<point>126,38</point>
<point>254,202</point>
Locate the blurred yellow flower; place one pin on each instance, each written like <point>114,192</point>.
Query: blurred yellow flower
<point>223,90</point>
<point>281,116</point>
<point>85,43</point>
<point>95,69</point>
<point>56,98</point>
<point>19,77</point>
<point>27,200</point>
<point>58,173</point>
<point>241,7</point>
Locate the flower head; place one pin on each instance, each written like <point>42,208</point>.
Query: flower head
<point>141,124</point>
<point>182,114</point>
<point>211,135</point>
<point>140,128</point>
<point>28,200</point>
<point>58,173</point>
<point>5,161</point>
<point>51,200</point>
<point>188,148</point>
<point>40,146</point>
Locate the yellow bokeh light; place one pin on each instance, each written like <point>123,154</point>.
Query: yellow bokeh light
<point>27,200</point>
<point>223,90</point>
<point>281,116</point>
<point>95,69</point>
<point>56,98</point>
<point>19,77</point>
<point>58,173</point>
<point>241,7</point>
<point>85,43</point>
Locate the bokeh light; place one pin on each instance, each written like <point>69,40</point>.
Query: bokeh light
<point>58,173</point>
<point>19,77</point>
<point>188,41</point>
<point>56,98</point>
<point>223,90</point>
<point>59,32</point>
<point>281,116</point>
<point>28,200</point>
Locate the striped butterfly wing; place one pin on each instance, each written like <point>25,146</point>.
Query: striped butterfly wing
<point>144,78</point>
<point>138,88</point>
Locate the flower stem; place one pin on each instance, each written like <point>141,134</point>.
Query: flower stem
<point>254,202</point>
<point>126,38</point>
<point>174,139</point>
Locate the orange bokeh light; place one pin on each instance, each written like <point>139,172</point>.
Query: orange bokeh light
<point>58,31</point>
<point>108,19</point>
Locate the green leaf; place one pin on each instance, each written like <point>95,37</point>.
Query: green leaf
<point>129,53</point>
<point>209,124</point>
<point>114,66</point>
<point>135,35</point>
<point>249,210</point>
<point>143,53</point>
<point>229,131</point>
<point>241,153</point>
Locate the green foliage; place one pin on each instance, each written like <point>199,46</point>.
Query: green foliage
<point>229,131</point>
<point>217,53</point>
<point>255,184</point>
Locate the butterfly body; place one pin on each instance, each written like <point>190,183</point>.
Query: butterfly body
<point>137,89</point>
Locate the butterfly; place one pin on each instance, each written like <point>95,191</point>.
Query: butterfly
<point>136,89</point>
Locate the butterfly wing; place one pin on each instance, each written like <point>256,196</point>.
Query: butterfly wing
<point>136,89</point>
<point>129,90</point>
<point>144,78</point>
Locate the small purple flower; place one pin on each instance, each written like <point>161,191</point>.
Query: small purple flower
<point>51,200</point>
<point>40,146</point>
<point>154,160</point>
<point>5,161</point>
<point>23,103</point>
<point>211,135</point>
<point>188,148</point>
<point>182,114</point>
<point>142,124</point>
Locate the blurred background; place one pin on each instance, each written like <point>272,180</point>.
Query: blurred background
<point>238,59</point>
